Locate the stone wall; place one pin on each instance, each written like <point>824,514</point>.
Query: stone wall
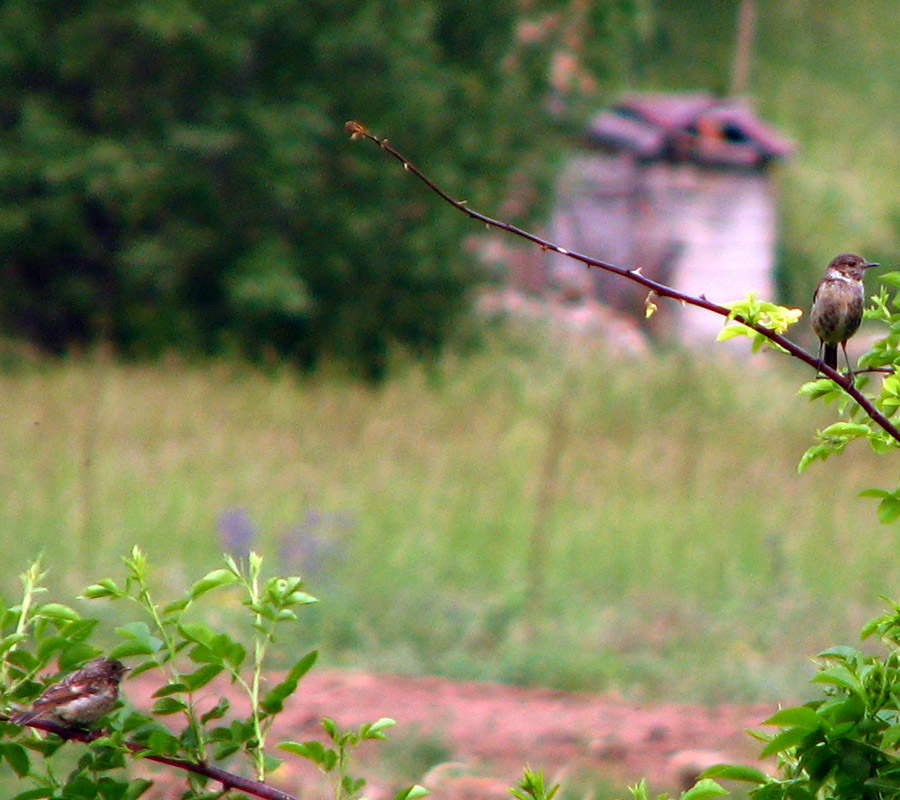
<point>703,230</point>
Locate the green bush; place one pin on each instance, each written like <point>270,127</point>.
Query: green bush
<point>216,750</point>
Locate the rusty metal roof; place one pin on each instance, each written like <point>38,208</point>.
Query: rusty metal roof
<point>692,126</point>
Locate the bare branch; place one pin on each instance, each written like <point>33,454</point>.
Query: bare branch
<point>357,130</point>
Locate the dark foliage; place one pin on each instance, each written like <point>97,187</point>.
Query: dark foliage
<point>175,174</point>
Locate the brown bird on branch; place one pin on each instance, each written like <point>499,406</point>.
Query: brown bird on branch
<point>79,699</point>
<point>838,304</point>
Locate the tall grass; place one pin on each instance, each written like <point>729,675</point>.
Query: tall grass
<point>677,553</point>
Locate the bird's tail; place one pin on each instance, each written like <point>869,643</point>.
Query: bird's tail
<point>830,356</point>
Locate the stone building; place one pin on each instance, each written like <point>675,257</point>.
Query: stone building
<point>681,186</point>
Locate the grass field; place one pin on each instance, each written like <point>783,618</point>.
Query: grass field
<point>539,512</point>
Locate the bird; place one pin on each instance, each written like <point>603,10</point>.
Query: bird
<point>81,698</point>
<point>837,307</point>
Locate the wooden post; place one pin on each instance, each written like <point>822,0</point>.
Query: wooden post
<point>743,47</point>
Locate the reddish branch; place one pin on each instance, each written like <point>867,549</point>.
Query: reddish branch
<point>228,779</point>
<point>357,130</point>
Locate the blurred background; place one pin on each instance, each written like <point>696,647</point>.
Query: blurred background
<point>225,326</point>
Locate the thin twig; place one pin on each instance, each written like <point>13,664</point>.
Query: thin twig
<point>357,130</point>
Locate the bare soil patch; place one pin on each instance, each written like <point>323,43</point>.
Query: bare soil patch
<point>487,733</point>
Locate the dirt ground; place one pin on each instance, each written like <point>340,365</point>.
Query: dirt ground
<point>485,734</point>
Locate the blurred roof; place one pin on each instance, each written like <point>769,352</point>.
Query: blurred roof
<point>688,126</point>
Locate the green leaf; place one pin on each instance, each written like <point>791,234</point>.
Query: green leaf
<point>216,648</point>
<point>148,666</point>
<point>839,675</point>
<point>17,757</point>
<point>784,741</point>
<point>217,711</point>
<point>242,729</point>
<point>841,430</point>
<point>704,788</point>
<point>272,762</point>
<point>133,648</point>
<point>23,659</point>
<point>870,627</point>
<point>161,742</point>
<point>374,731</point>
<point>531,786</point>
<point>800,716</point>
<point>79,631</point>
<point>889,509</point>
<point>202,676</point>
<point>840,651</point>
<point>312,750</point>
<point>8,642</point>
<point>733,329</point>
<point>139,640</point>
<point>890,736</point>
<point>817,451</point>
<point>47,647</point>
<point>736,772</point>
<point>34,794</point>
<point>137,631</point>
<point>105,588</point>
<point>201,654</point>
<point>169,705</point>
<point>351,786</point>
<point>232,566</point>
<point>177,605</point>
<point>212,580</point>
<point>57,611</point>
<point>640,791</point>
<point>415,792</point>
<point>890,278</point>
<point>75,655</point>
<point>224,749</point>
<point>821,387</point>
<point>223,733</point>
<point>882,444</point>
<point>884,784</point>
<point>136,787</point>
<point>273,702</point>
<point>265,610</point>
<point>300,598</point>
<point>875,493</point>
<point>234,653</point>
<point>197,632</point>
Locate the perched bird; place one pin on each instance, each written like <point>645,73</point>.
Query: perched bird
<point>81,698</point>
<point>838,304</point>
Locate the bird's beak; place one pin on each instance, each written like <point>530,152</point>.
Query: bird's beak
<point>870,264</point>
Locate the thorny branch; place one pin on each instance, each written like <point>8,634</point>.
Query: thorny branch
<point>357,130</point>
<point>229,780</point>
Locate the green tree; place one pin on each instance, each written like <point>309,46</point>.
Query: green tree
<point>175,173</point>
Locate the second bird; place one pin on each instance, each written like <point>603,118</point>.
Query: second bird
<point>81,698</point>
